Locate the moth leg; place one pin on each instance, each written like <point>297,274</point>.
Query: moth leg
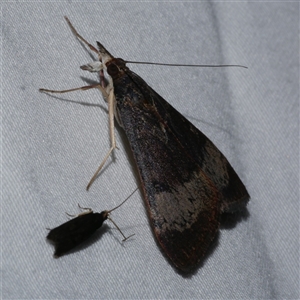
<point>87,211</point>
<point>108,94</point>
<point>83,88</point>
<point>125,238</point>
<point>92,48</point>
<point>111,105</point>
<point>84,208</point>
<point>80,37</point>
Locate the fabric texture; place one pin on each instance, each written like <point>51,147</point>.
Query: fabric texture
<point>52,145</point>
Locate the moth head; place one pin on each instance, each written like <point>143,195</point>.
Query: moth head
<point>103,54</point>
<point>104,57</point>
<point>116,67</point>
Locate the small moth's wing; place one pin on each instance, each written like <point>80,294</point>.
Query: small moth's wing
<point>185,178</point>
<point>72,233</point>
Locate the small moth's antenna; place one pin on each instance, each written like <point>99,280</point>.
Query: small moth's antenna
<point>109,211</point>
<point>183,65</point>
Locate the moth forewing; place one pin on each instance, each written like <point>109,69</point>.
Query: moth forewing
<point>187,182</point>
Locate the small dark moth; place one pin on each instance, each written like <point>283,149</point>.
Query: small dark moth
<point>186,181</point>
<point>74,232</point>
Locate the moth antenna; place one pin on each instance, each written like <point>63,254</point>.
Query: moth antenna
<point>109,211</point>
<point>184,65</point>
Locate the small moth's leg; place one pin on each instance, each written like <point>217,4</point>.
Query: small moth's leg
<point>84,208</point>
<point>72,216</point>
<point>87,211</point>
<point>83,88</point>
<point>111,103</point>
<point>80,37</point>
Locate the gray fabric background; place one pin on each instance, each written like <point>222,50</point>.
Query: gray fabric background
<point>52,146</point>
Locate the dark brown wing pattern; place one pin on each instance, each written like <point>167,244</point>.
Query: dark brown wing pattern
<point>187,182</point>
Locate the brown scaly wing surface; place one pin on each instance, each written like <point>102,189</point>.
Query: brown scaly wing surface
<point>187,182</point>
